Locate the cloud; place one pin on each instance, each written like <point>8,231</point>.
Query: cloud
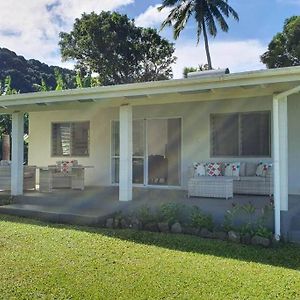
<point>31,28</point>
<point>238,56</point>
<point>152,17</point>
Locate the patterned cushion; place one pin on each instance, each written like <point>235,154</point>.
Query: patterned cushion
<point>262,169</point>
<point>214,169</point>
<point>199,169</point>
<point>232,169</point>
<point>65,166</point>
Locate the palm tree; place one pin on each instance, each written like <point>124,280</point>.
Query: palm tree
<point>207,13</point>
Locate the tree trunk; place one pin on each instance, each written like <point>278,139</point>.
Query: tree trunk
<point>206,46</point>
<point>5,147</point>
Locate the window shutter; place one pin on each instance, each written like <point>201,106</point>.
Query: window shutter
<point>80,139</point>
<point>61,139</point>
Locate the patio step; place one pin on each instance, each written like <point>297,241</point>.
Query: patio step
<point>48,216</point>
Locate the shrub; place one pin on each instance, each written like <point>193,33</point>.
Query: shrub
<point>201,220</point>
<point>264,232</point>
<point>229,218</point>
<point>145,215</point>
<point>170,213</point>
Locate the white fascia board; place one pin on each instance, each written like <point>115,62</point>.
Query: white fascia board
<point>158,87</point>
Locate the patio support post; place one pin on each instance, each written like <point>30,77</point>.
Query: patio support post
<point>280,137</point>
<point>125,172</point>
<point>17,153</point>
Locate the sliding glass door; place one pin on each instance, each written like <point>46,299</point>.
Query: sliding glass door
<point>156,152</point>
<point>138,137</point>
<point>164,151</point>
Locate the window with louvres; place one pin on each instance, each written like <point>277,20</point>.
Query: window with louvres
<point>70,139</point>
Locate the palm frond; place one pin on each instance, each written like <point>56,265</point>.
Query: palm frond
<point>219,17</point>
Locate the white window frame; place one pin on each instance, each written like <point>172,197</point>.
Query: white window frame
<point>239,154</point>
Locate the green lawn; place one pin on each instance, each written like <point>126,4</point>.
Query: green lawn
<point>45,261</point>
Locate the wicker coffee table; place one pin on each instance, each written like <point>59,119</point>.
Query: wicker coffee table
<point>211,187</point>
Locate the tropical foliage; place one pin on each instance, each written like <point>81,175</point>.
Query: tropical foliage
<point>284,49</point>
<point>110,45</point>
<point>209,15</point>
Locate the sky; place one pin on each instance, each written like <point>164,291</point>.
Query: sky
<point>31,28</point>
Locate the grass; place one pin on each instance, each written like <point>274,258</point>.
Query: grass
<point>47,261</point>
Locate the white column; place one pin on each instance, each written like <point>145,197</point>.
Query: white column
<point>280,140</point>
<point>125,173</point>
<point>17,154</point>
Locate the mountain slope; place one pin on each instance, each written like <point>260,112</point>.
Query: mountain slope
<point>26,73</point>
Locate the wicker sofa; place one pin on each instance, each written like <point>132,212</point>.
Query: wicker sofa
<point>29,177</point>
<point>247,182</point>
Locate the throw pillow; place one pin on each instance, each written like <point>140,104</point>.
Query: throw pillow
<point>214,169</point>
<point>232,169</point>
<point>262,169</point>
<point>199,169</point>
<point>66,166</point>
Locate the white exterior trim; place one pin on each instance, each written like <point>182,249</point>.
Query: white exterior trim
<point>125,171</point>
<point>17,154</point>
<point>280,137</point>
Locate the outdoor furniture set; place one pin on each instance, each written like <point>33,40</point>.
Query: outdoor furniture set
<point>65,174</point>
<point>222,180</point>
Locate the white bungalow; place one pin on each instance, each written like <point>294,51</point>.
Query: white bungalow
<point>149,134</point>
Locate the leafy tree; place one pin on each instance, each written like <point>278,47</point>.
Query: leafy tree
<point>208,15</point>
<point>43,87</point>
<point>284,49</point>
<point>5,120</point>
<point>110,45</point>
<point>60,83</point>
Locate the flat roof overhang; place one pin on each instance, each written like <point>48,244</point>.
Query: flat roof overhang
<point>208,88</point>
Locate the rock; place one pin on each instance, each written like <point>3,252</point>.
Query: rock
<point>109,223</point>
<point>151,227</point>
<point>163,227</point>
<point>220,235</point>
<point>116,223</point>
<point>204,232</point>
<point>123,223</point>
<point>190,230</point>
<point>176,228</point>
<point>135,224</point>
<point>246,239</point>
<point>262,241</point>
<point>234,236</point>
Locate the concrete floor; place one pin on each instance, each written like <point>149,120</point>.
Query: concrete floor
<point>97,203</point>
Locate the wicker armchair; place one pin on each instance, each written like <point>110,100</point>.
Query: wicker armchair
<point>29,178</point>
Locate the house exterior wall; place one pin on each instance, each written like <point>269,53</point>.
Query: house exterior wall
<point>195,134</point>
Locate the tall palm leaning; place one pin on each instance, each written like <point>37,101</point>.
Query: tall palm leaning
<point>208,15</point>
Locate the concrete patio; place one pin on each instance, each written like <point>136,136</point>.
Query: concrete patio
<point>93,205</point>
